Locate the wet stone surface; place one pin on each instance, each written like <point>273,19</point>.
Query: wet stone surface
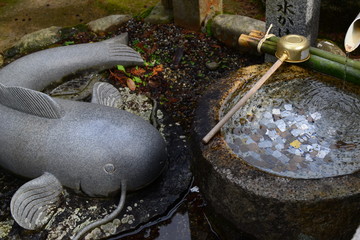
<point>178,76</point>
<point>76,210</point>
<point>301,128</point>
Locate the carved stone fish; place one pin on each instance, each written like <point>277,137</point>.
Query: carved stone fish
<point>89,147</point>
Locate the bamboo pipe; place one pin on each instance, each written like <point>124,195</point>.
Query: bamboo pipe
<point>251,42</point>
<point>316,62</point>
<point>243,100</point>
<point>328,55</point>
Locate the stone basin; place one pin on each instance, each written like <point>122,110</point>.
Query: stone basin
<point>286,166</point>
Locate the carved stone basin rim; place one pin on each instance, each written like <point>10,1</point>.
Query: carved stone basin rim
<point>261,203</point>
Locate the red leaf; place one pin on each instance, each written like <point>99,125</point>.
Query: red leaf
<point>157,69</point>
<point>119,76</point>
<point>137,71</point>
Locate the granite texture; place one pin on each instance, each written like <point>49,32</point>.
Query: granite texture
<point>160,14</point>
<point>193,14</point>
<point>38,40</point>
<point>39,69</point>
<point>76,210</point>
<point>108,23</point>
<point>91,148</point>
<point>261,204</point>
<point>88,147</point>
<point>294,17</point>
<point>228,28</point>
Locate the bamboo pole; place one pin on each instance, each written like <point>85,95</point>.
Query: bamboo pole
<point>251,42</point>
<point>319,63</point>
<point>243,100</point>
<point>328,55</point>
<point>332,68</point>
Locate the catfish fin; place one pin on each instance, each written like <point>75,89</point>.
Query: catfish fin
<point>34,203</point>
<point>123,38</point>
<point>30,101</point>
<point>123,54</point>
<point>105,94</point>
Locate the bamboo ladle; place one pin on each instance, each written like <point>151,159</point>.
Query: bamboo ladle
<point>290,48</point>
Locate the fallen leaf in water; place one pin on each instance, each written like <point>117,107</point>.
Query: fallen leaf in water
<point>296,144</point>
<point>131,84</point>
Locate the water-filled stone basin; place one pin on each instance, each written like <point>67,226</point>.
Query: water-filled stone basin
<point>286,165</point>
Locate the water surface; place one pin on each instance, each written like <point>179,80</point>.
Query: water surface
<point>301,128</point>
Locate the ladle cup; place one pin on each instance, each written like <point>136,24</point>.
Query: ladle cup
<point>290,48</point>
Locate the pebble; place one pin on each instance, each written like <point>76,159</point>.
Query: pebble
<point>308,158</point>
<point>315,116</point>
<point>291,136</point>
<point>195,189</point>
<point>279,146</point>
<point>289,139</point>
<point>212,65</point>
<point>277,154</point>
<point>285,114</point>
<point>276,111</point>
<point>272,134</point>
<point>288,107</point>
<point>296,132</point>
<point>265,144</point>
<point>281,125</point>
<point>267,115</point>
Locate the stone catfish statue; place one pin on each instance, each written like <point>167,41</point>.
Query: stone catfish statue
<point>92,147</point>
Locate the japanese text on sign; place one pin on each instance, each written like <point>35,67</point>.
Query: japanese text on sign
<point>285,17</point>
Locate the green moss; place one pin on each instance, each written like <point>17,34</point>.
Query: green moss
<point>67,32</point>
<point>144,13</point>
<point>4,4</point>
<point>133,7</point>
<point>208,27</point>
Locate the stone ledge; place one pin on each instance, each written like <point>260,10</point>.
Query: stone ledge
<point>107,23</point>
<point>38,40</point>
<point>159,15</point>
<point>228,28</point>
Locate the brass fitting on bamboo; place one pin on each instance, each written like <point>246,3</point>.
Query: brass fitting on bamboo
<point>296,47</point>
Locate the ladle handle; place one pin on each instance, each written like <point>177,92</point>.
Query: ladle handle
<point>242,101</point>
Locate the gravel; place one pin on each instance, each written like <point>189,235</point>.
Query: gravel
<point>185,57</point>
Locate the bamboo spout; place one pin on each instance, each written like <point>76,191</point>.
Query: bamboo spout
<point>352,37</point>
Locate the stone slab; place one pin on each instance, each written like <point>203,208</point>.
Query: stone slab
<point>191,14</point>
<point>167,4</point>
<point>160,14</point>
<point>107,23</point>
<point>294,17</point>
<point>39,39</point>
<point>228,28</point>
